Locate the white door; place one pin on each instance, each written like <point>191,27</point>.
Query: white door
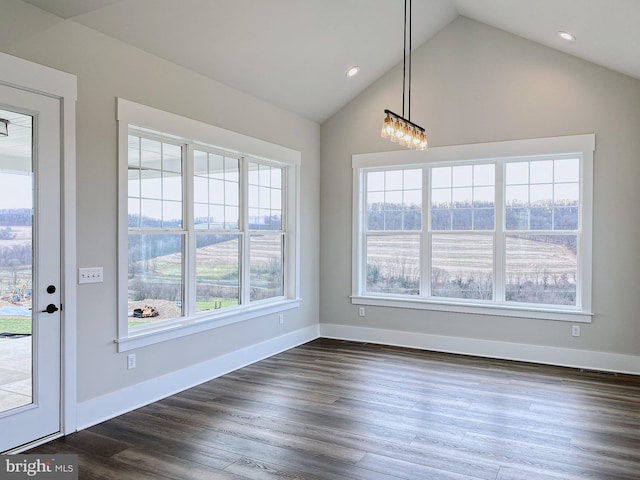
<point>30,309</point>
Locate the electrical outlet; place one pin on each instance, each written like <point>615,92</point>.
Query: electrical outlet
<point>282,319</point>
<point>361,311</point>
<point>575,330</point>
<point>131,361</point>
<point>90,275</point>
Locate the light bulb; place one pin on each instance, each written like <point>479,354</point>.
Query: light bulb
<point>391,128</point>
<point>399,130</point>
<point>423,142</point>
<point>387,127</point>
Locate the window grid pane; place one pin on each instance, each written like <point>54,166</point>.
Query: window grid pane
<point>463,197</point>
<point>218,269</point>
<point>542,195</point>
<point>156,277</point>
<point>541,269</point>
<point>394,200</point>
<point>266,266</point>
<point>216,191</point>
<point>265,197</point>
<point>154,184</point>
<point>462,266</point>
<point>393,264</point>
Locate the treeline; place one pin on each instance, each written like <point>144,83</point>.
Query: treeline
<point>476,216</point>
<point>266,222</point>
<point>16,217</point>
<point>542,286</point>
<point>16,255</point>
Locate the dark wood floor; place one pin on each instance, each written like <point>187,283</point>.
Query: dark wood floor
<point>343,410</point>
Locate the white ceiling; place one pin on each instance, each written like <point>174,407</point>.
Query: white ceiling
<point>294,53</point>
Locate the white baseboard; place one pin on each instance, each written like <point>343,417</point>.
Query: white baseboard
<point>565,357</point>
<point>97,410</point>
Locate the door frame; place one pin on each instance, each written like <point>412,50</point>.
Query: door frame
<point>30,76</point>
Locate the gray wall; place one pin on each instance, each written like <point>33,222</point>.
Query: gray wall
<point>473,83</point>
<point>107,69</point>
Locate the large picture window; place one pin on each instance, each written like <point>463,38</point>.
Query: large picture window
<point>500,228</point>
<point>209,229</point>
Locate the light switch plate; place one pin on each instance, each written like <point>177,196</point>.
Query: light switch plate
<point>90,275</point>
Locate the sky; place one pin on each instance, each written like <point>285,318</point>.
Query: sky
<point>15,190</point>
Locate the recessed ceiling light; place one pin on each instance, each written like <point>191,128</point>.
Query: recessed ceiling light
<point>352,71</point>
<point>566,36</point>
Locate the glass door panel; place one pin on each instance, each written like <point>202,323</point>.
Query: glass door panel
<point>16,261</point>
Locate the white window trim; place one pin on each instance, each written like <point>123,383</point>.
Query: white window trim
<point>141,117</point>
<point>573,144</point>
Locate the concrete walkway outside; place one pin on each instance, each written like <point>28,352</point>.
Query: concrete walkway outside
<point>15,373</point>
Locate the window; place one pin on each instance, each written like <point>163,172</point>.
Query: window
<point>394,204</point>
<point>208,224</point>
<point>156,237</point>
<point>266,231</point>
<point>462,210</point>
<point>216,219</point>
<point>502,228</point>
<point>542,230</point>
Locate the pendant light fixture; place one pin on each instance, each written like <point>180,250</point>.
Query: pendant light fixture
<point>396,127</point>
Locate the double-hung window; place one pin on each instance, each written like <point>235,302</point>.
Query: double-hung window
<point>542,233</point>
<point>392,233</point>
<point>461,233</point>
<point>501,228</point>
<point>207,228</point>
<point>156,237</point>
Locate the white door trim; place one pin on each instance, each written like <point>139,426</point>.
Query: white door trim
<point>26,75</point>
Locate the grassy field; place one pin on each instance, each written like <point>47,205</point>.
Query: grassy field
<point>200,306</point>
<point>216,302</point>
<point>15,325</point>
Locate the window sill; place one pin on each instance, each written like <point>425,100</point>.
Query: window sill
<point>189,326</point>
<point>563,315</point>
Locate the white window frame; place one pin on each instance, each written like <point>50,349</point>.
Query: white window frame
<point>195,134</point>
<point>499,152</point>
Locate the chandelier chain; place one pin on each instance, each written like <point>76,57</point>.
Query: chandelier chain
<point>401,129</point>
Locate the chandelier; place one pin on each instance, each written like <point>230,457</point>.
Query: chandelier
<point>396,127</point>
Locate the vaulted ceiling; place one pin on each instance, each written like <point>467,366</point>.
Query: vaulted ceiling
<point>294,53</point>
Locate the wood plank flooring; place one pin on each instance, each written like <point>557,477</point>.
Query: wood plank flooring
<point>349,411</point>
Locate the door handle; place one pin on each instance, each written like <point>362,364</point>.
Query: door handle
<point>51,308</point>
